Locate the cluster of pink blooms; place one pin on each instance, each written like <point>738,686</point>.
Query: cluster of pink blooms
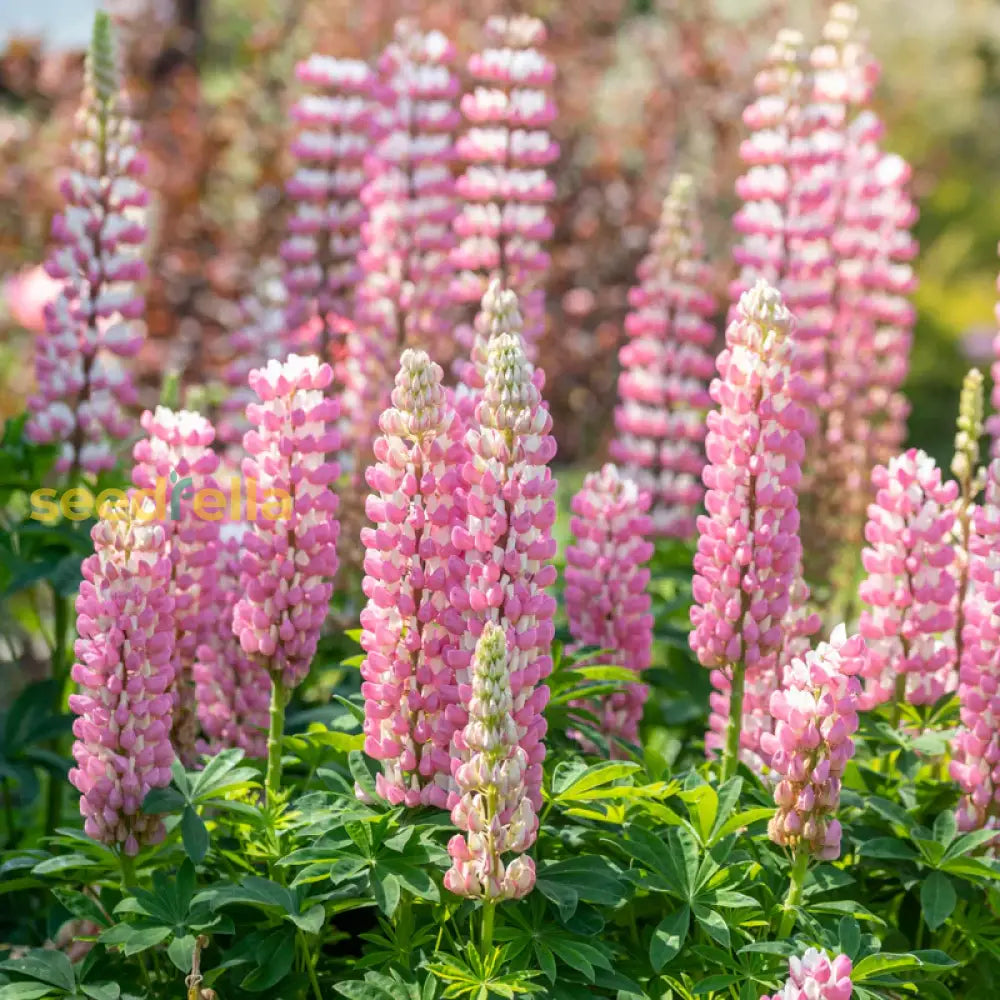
<point>321,252</point>
<point>910,588</point>
<point>125,671</point>
<point>90,325</point>
<point>505,189</point>
<point>749,551</point>
<point>493,809</point>
<point>289,561</point>
<point>816,716</point>
<point>666,364</point>
<point>606,600</point>
<point>815,976</point>
<point>975,763</point>
<point>176,461</point>
<point>408,624</point>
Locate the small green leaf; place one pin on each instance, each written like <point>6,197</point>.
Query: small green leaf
<point>937,899</point>
<point>181,952</point>
<point>311,921</point>
<point>194,834</point>
<point>875,965</point>
<point>102,991</point>
<point>386,890</point>
<point>144,938</point>
<point>714,924</point>
<point>945,828</point>
<point>25,991</point>
<point>888,849</point>
<point>49,966</point>
<point>850,936</point>
<point>668,937</point>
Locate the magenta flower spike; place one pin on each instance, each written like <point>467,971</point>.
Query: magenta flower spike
<point>505,223</point>
<point>814,976</point>
<point>666,365</point>
<point>124,671</point>
<point>749,551</point>
<point>290,555</point>
<point>494,808</point>
<point>975,764</point>
<point>175,463</point>
<point>816,716</point>
<point>409,564</point>
<point>606,599</point>
<point>233,690</point>
<point>91,325</point>
<point>507,542</point>
<point>337,120</point>
<point>910,588</point>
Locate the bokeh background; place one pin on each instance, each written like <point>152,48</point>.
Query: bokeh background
<point>645,87</point>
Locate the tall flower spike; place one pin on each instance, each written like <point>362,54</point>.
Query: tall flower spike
<point>815,976</point>
<point>175,462</point>
<point>749,548</point>
<point>493,808</point>
<point>91,325</point>
<point>232,689</point>
<point>507,542</point>
<point>816,716</point>
<point>124,670</point>
<point>910,587</point>
<point>324,232</point>
<point>409,564</point>
<point>291,553</point>
<point>606,600</point>
<point>663,385</point>
<point>506,187</point>
<point>975,763</point>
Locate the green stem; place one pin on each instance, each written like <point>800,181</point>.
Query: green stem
<point>899,699</point>
<point>489,909</point>
<point>275,732</point>
<point>60,675</point>
<point>799,870</point>
<point>311,967</point>
<point>128,871</point>
<point>731,755</point>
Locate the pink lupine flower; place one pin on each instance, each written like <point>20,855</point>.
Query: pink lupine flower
<point>290,556</point>
<point>124,672</point>
<point>507,541</point>
<point>815,977</point>
<point>816,716</point>
<point>666,364</point>
<point>494,808</point>
<point>28,294</point>
<point>910,588</point>
<point>91,324</point>
<point>606,600</point>
<point>975,764</point>
<point>749,550</point>
<point>233,690</point>
<point>175,462</point>
<point>409,567</point>
<point>506,187</point>
<point>320,254</point>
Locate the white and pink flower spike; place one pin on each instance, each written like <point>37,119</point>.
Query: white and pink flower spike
<point>815,976</point>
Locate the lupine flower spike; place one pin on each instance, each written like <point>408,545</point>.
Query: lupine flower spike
<point>409,566</point>
<point>124,670</point>
<point>494,809</point>
<point>506,187</point>
<point>975,764</point>
<point>606,600</point>
<point>663,386</point>
<point>748,549</point>
<point>176,463</point>
<point>815,976</point>
<point>91,325</point>
<point>507,541</point>
<point>910,587</point>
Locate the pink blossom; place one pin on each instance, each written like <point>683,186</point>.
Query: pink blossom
<point>28,294</point>
<point>663,386</point>
<point>493,809</point>
<point>409,569</point>
<point>606,600</point>
<point>815,977</point>
<point>124,670</point>
<point>909,588</point>
<point>291,552</point>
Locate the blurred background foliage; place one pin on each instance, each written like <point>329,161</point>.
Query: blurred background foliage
<point>646,87</point>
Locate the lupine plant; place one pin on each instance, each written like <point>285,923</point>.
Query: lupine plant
<point>364,701</point>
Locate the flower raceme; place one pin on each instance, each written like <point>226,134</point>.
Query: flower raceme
<point>493,808</point>
<point>409,570</point>
<point>125,671</point>
<point>89,326</point>
<point>816,716</point>
<point>288,565</point>
<point>814,976</point>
